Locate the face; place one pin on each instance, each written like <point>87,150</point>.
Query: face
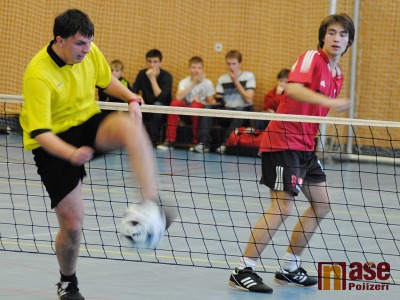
<point>196,70</point>
<point>336,40</point>
<point>233,65</point>
<point>116,71</point>
<point>282,82</point>
<point>73,49</point>
<point>153,63</point>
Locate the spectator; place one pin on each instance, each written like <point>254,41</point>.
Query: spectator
<point>235,90</point>
<point>273,97</point>
<point>194,91</point>
<point>117,70</point>
<point>155,86</point>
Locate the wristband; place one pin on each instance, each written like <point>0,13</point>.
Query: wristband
<point>137,100</point>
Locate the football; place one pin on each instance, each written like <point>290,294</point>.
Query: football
<point>143,225</point>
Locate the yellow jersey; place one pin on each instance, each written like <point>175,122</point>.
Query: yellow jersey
<point>58,96</point>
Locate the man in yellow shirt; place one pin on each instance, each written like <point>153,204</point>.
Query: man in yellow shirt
<point>64,128</point>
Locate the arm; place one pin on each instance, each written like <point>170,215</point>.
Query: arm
<point>57,147</point>
<point>166,89</point>
<point>299,92</point>
<point>184,91</point>
<point>248,94</point>
<point>152,75</point>
<point>118,90</point>
<point>211,101</point>
<point>181,95</point>
<point>271,101</point>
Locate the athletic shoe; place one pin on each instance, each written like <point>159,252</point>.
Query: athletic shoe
<point>248,280</point>
<point>164,146</point>
<point>68,291</point>
<point>221,149</point>
<point>201,148</point>
<point>297,277</point>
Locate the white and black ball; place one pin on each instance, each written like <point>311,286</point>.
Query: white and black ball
<point>143,225</point>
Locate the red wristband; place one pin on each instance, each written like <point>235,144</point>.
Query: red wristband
<point>137,100</point>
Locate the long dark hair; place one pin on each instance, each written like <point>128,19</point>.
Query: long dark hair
<point>342,19</point>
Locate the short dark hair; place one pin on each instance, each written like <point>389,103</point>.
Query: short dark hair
<point>117,63</point>
<point>196,60</point>
<point>154,53</point>
<point>234,54</point>
<point>342,19</point>
<point>284,73</point>
<point>71,22</point>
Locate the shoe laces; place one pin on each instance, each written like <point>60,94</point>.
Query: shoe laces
<point>251,271</point>
<point>302,271</point>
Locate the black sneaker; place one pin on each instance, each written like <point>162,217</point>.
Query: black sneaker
<point>297,277</point>
<point>248,280</point>
<point>68,291</point>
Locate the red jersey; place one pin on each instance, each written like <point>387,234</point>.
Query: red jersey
<point>313,70</point>
<point>272,100</point>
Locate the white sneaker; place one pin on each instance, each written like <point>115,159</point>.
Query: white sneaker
<point>221,149</point>
<point>164,146</point>
<point>200,148</point>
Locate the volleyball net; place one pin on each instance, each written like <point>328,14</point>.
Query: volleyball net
<point>218,196</point>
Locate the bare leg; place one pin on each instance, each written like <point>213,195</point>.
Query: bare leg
<point>70,218</point>
<point>268,224</point>
<point>317,195</point>
<point>120,130</point>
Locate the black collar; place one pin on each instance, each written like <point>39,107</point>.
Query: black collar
<point>54,56</point>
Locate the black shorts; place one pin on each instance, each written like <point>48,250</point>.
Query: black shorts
<point>287,170</point>
<point>59,176</point>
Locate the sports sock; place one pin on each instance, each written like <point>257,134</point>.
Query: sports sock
<point>71,278</point>
<point>291,262</point>
<point>246,262</point>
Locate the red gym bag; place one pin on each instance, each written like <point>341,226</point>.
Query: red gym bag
<point>244,141</point>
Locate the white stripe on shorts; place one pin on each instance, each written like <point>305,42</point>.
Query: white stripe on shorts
<point>279,179</point>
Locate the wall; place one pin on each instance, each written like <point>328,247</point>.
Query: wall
<point>270,35</point>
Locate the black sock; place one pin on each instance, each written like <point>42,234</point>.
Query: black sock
<point>71,278</point>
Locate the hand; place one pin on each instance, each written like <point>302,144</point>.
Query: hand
<point>231,74</point>
<point>279,90</point>
<point>135,112</point>
<point>199,78</point>
<point>340,104</point>
<point>81,155</point>
<point>198,100</point>
<point>152,73</point>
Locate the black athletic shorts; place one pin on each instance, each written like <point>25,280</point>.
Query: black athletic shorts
<point>59,176</point>
<point>287,170</point>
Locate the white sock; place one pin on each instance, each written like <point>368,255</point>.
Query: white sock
<point>246,262</point>
<point>291,262</point>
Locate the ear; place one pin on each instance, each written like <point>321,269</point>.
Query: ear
<point>59,40</point>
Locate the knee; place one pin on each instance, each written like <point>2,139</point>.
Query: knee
<point>321,209</point>
<point>175,102</point>
<point>71,224</point>
<point>286,209</point>
<point>73,230</point>
<point>283,207</point>
<point>196,105</point>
